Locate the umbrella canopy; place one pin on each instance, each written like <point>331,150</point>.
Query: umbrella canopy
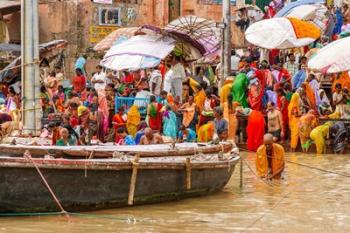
<point>333,58</point>
<point>202,30</point>
<point>314,12</point>
<point>139,52</point>
<point>282,33</point>
<point>116,37</point>
<point>288,8</point>
<point>185,46</point>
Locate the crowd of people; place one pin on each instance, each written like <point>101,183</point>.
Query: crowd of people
<point>277,95</point>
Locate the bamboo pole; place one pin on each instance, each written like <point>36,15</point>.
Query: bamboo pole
<point>135,165</point>
<point>188,173</point>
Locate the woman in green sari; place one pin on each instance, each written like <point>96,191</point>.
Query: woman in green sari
<point>239,88</point>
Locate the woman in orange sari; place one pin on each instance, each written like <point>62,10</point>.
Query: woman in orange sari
<point>189,114</point>
<point>230,116</point>
<point>293,116</point>
<point>206,132</point>
<point>255,130</point>
<point>133,120</point>
<point>154,115</point>
<point>310,94</point>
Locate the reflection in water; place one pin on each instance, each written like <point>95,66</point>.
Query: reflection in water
<point>308,200</point>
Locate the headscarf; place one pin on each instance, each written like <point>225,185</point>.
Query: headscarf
<point>81,110</point>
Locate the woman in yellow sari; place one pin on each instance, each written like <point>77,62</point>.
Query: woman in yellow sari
<point>294,115</point>
<point>319,136</point>
<point>133,120</point>
<point>206,132</point>
<point>230,116</point>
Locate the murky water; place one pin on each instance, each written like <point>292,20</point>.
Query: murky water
<point>308,200</point>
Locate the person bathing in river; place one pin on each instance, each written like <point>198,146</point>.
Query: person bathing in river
<point>270,159</point>
<point>274,122</point>
<point>151,138</point>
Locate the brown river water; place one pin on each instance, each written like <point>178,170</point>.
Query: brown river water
<point>307,200</point>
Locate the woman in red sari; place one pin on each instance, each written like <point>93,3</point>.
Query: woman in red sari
<point>154,115</point>
<point>255,130</point>
<point>282,105</point>
<point>256,91</point>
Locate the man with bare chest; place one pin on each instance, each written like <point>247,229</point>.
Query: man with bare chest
<point>150,138</point>
<point>274,122</point>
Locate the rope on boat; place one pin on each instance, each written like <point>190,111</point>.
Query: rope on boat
<point>29,157</point>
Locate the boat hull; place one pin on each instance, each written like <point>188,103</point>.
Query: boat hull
<point>86,186</point>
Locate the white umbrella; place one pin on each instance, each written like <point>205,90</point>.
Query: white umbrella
<point>139,52</point>
<point>130,62</point>
<point>144,45</point>
<point>333,58</point>
<point>282,33</point>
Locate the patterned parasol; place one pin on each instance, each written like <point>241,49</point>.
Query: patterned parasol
<point>202,30</point>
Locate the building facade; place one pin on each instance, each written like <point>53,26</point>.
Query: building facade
<point>83,23</point>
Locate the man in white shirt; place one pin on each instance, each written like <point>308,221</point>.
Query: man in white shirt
<point>168,79</point>
<point>99,79</point>
<point>156,82</point>
<point>179,75</point>
<point>235,59</point>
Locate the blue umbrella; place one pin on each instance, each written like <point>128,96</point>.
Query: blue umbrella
<point>285,10</point>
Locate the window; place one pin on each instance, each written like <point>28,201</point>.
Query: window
<point>109,16</point>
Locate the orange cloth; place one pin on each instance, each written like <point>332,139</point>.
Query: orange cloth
<point>277,166</point>
<point>206,132</point>
<point>293,116</point>
<point>310,95</point>
<point>199,99</point>
<point>133,120</point>
<point>225,90</point>
<point>343,79</point>
<point>229,114</point>
<point>305,29</point>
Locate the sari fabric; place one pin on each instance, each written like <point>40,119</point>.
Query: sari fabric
<point>206,132</point>
<point>239,88</point>
<point>230,116</point>
<point>298,79</point>
<point>282,105</point>
<point>225,90</point>
<point>255,130</point>
<point>155,119</point>
<point>169,124</point>
<point>277,160</point>
<point>306,123</point>
<point>293,116</point>
<point>343,80</point>
<point>199,100</point>
<point>133,120</point>
<point>310,95</point>
<point>256,92</point>
<point>319,135</point>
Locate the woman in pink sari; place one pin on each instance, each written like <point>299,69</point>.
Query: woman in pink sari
<point>102,116</point>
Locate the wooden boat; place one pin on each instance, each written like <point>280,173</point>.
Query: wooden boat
<point>89,184</point>
<point>107,151</point>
